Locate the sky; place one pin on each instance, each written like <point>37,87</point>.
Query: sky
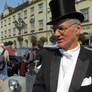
<point>11,3</point>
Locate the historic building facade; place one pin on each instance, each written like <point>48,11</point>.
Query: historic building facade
<point>29,19</point>
<point>26,20</point>
<point>85,6</point>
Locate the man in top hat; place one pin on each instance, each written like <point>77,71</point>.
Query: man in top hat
<point>67,68</point>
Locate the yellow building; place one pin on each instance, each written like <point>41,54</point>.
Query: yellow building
<point>29,19</point>
<point>26,20</point>
<point>85,6</point>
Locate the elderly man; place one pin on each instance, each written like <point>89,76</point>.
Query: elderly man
<point>67,68</point>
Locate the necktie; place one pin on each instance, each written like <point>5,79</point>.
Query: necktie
<point>66,61</point>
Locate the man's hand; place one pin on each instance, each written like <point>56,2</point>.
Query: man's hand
<point>1,82</point>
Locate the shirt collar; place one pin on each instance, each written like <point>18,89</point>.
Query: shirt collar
<point>69,53</point>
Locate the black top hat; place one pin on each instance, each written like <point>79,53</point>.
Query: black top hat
<point>62,9</point>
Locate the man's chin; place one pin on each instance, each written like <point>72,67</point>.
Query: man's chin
<point>60,45</point>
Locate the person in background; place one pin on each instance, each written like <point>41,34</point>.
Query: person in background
<point>4,71</point>
<point>38,49</point>
<point>30,61</point>
<point>90,44</point>
<point>23,64</point>
<point>67,68</point>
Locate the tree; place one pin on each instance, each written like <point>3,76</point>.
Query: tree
<point>82,39</point>
<point>10,43</point>
<point>53,39</point>
<point>43,39</point>
<point>5,43</point>
<point>33,40</point>
<point>20,38</point>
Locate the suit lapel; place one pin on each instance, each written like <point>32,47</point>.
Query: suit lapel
<point>55,63</point>
<point>80,71</point>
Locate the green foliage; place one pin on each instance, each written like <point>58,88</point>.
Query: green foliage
<point>82,37</point>
<point>10,43</point>
<point>5,43</point>
<point>20,38</point>
<point>43,39</point>
<point>53,39</point>
<point>33,40</point>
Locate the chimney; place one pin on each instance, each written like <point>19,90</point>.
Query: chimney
<point>18,4</point>
<point>23,1</point>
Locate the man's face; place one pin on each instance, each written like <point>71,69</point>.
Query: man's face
<point>67,34</point>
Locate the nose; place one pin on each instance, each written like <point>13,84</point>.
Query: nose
<point>58,33</point>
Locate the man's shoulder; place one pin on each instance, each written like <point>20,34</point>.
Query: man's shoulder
<point>88,48</point>
<point>47,49</point>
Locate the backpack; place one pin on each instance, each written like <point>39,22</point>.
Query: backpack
<point>2,61</point>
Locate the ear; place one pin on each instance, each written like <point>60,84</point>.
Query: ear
<point>78,28</point>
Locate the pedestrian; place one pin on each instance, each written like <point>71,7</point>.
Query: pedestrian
<point>38,47</point>
<point>90,44</point>
<point>3,64</point>
<point>30,60</point>
<point>67,68</point>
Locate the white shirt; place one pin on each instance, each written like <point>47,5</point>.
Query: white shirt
<point>67,66</point>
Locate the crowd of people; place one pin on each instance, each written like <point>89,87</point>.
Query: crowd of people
<point>10,65</point>
<point>31,61</point>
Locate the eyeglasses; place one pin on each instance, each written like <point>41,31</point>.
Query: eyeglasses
<point>62,28</point>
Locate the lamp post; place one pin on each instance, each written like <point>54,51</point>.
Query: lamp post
<point>20,24</point>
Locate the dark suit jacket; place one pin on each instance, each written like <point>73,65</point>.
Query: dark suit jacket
<point>46,80</point>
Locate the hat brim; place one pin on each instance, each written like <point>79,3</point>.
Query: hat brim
<point>73,15</point>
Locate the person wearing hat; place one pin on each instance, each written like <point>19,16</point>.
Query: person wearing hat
<point>67,68</point>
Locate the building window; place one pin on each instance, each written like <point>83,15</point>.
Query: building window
<point>32,26</point>
<point>19,15</point>
<point>14,31</point>
<point>85,13</point>
<point>5,34</point>
<point>25,30</point>
<point>2,34</point>
<point>40,24</point>
<point>14,18</point>
<point>4,22</point>
<point>32,11</point>
<point>25,14</point>
<point>9,32</point>
<point>9,21</point>
<point>40,8</point>
<point>1,24</point>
